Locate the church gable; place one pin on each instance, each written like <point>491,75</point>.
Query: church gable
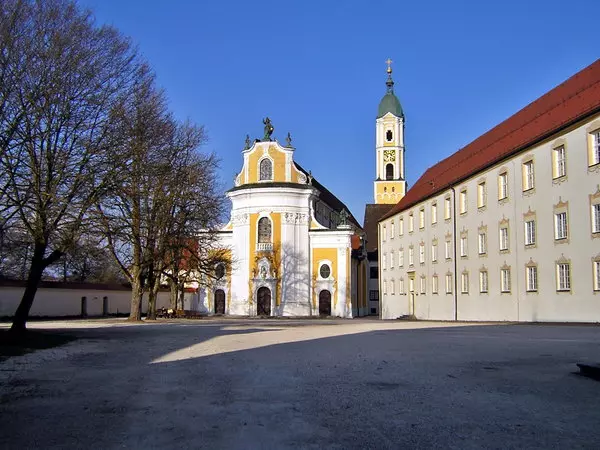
<point>269,162</point>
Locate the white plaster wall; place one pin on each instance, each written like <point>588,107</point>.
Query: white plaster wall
<point>581,304</point>
<point>67,302</point>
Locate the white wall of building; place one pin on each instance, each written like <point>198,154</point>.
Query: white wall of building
<point>581,303</point>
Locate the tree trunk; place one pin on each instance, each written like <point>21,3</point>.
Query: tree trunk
<point>152,297</point>
<point>137,292</point>
<point>36,270</point>
<point>182,295</point>
<point>173,294</point>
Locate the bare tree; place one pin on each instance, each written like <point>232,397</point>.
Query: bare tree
<point>60,77</point>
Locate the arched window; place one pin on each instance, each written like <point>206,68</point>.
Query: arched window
<point>389,172</point>
<point>389,135</point>
<point>265,170</point>
<point>264,230</point>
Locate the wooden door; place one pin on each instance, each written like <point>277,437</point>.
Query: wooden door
<point>263,302</point>
<point>324,303</point>
<point>219,301</point>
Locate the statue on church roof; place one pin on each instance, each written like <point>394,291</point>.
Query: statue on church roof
<point>288,139</point>
<point>247,143</point>
<point>269,128</point>
<point>343,218</point>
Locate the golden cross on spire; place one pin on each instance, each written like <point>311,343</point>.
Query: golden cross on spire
<point>389,64</point>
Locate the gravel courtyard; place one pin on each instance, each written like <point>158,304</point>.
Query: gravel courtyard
<point>305,384</point>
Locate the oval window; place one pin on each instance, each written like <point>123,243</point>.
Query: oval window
<point>325,271</point>
<point>220,271</point>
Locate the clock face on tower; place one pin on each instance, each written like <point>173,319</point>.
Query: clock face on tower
<point>389,155</point>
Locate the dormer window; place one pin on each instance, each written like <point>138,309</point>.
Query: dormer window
<point>389,136</point>
<point>265,170</point>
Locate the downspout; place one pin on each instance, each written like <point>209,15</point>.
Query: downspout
<point>454,251</point>
<point>379,269</point>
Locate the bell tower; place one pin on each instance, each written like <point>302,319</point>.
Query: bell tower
<point>389,185</point>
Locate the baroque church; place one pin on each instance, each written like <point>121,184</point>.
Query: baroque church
<point>295,248</point>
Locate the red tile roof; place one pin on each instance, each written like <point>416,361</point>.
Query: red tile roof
<point>571,101</point>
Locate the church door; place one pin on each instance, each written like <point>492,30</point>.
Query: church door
<point>219,301</point>
<point>324,303</point>
<point>263,302</point>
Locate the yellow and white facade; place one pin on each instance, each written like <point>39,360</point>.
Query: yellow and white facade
<point>290,241</point>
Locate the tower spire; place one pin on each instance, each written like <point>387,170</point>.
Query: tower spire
<point>389,83</point>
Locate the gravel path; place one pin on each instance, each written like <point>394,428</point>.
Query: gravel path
<point>303,384</point>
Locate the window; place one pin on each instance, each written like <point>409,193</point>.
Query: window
<point>389,171</point>
<point>595,148</point>
<point>481,195</point>
<point>447,208</point>
<point>265,170</point>
<point>434,284</point>
<point>528,176</point>
<point>463,246</point>
<point>401,286</point>
<point>483,281</point>
<point>531,278</point>
<point>463,201</point>
<point>482,243</point>
<point>373,273</point>
<point>448,250</point>
<point>434,248</point>
<point>401,226</point>
<point>464,283</point>
<point>383,260</point>
<point>596,218</point>
<point>422,218</point>
<point>264,230</point>
<point>325,271</point>
<point>596,268</point>
<point>220,271</point>
<point>411,223</point>
<point>391,260</point>
<point>423,285</point>
<point>422,253</point>
<point>389,135</point>
<point>560,225</point>
<point>392,287</point>
<point>401,258</point>
<point>505,280</point>
<point>559,162</point>
<point>563,277</point>
<point>434,213</point>
<point>448,283</point>
<point>411,256</point>
<point>530,232</point>
<point>392,230</point>
<point>503,239</point>
<point>384,287</point>
<point>502,186</point>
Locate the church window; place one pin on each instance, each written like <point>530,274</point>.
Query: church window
<point>220,271</point>
<point>266,169</point>
<point>264,230</point>
<point>389,172</point>
<point>389,135</point>
<point>325,271</point>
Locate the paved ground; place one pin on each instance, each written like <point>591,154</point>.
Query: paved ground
<point>306,384</point>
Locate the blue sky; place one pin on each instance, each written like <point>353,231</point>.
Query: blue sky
<point>316,68</point>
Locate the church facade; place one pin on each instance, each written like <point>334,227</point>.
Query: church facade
<point>295,248</point>
<point>508,227</point>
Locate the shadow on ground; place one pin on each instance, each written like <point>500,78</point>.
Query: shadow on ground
<point>235,385</point>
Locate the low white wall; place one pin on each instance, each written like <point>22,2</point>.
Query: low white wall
<point>68,302</point>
